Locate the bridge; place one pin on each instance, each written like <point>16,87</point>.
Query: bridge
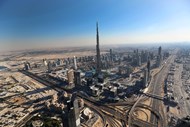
<point>154,96</point>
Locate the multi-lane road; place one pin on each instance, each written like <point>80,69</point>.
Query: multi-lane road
<point>157,89</point>
<point>112,115</point>
<point>108,114</point>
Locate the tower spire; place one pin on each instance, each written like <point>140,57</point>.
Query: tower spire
<point>98,49</point>
<point>97,33</point>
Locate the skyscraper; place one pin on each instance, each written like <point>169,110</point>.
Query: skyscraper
<point>159,51</point>
<point>111,55</point>
<point>98,50</point>
<point>145,81</point>
<point>148,67</point>
<point>73,113</point>
<point>70,76</point>
<point>139,60</point>
<point>49,67</point>
<point>159,57</point>
<point>75,63</point>
<point>26,66</point>
<point>158,61</point>
<point>77,78</point>
<point>146,56</point>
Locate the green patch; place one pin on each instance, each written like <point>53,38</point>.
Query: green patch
<point>47,121</point>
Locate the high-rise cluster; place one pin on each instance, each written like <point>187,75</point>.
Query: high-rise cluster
<point>140,57</point>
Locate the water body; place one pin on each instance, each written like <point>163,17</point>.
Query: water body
<point>2,68</point>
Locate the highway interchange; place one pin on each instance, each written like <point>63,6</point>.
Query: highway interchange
<point>116,117</point>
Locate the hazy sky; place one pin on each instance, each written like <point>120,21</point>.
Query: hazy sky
<point>72,22</point>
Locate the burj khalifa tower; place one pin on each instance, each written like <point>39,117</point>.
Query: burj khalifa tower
<point>98,51</point>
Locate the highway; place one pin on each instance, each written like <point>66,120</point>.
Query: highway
<point>24,121</point>
<point>180,92</point>
<point>97,111</point>
<point>132,110</point>
<point>157,90</point>
<point>141,123</point>
<point>107,113</point>
<point>28,117</point>
<point>154,91</point>
<point>141,98</point>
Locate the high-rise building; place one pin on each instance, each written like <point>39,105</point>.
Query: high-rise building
<point>89,81</point>
<point>100,78</point>
<point>73,113</point>
<point>142,56</point>
<point>138,60</point>
<point>159,57</point>
<point>75,63</point>
<point>45,62</point>
<point>159,50</point>
<point>53,64</point>
<point>49,66</point>
<point>77,78</point>
<point>98,51</point>
<point>26,66</point>
<point>70,76</point>
<point>111,55</point>
<point>148,67</point>
<point>146,56</point>
<point>158,61</point>
<point>145,81</point>
<point>129,70</point>
<point>137,51</point>
<point>58,62</point>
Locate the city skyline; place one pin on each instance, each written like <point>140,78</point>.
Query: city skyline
<point>62,23</point>
<point>102,63</point>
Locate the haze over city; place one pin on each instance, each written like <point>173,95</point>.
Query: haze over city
<point>102,63</point>
<point>58,23</point>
